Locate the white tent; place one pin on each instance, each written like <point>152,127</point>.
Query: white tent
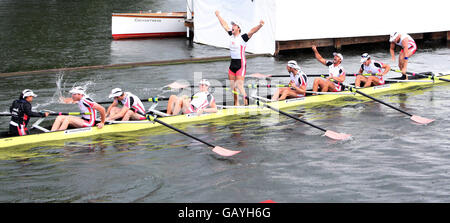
<point>307,19</point>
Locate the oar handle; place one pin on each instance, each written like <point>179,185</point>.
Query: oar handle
<point>55,113</point>
<point>68,113</point>
<point>309,75</point>
<point>252,86</point>
<point>154,99</point>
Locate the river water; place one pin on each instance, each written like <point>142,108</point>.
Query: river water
<point>389,159</point>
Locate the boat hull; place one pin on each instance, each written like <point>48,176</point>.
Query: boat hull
<point>188,118</point>
<point>144,25</point>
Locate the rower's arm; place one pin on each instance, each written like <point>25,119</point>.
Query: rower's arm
<point>255,29</point>
<point>300,90</point>
<point>212,108</point>
<point>222,22</point>
<point>386,68</point>
<point>66,100</point>
<point>360,71</point>
<point>114,104</point>
<point>318,56</point>
<point>30,113</point>
<point>102,111</point>
<point>391,50</point>
<point>340,78</point>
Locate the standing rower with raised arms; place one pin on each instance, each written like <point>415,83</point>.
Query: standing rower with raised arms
<point>238,42</point>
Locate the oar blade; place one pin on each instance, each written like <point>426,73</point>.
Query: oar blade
<point>259,75</point>
<point>336,135</point>
<point>224,152</point>
<point>176,85</point>
<point>421,120</point>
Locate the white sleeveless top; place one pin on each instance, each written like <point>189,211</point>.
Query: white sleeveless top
<point>200,100</point>
<point>86,105</point>
<point>373,68</point>
<point>335,71</point>
<point>237,45</point>
<point>405,36</point>
<point>300,79</point>
<point>132,101</point>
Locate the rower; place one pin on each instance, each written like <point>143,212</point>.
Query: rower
<point>335,71</point>
<point>409,47</point>
<point>131,109</point>
<point>369,66</point>
<point>238,65</point>
<point>86,105</point>
<point>297,84</point>
<point>21,112</point>
<point>200,102</point>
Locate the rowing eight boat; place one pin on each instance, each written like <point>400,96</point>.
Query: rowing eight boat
<point>227,111</point>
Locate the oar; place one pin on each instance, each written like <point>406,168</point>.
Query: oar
<point>259,75</point>
<point>55,113</point>
<point>154,99</point>
<point>423,74</point>
<point>217,149</point>
<point>415,118</point>
<point>176,85</point>
<point>328,133</point>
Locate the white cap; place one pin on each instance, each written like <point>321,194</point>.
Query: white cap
<point>393,36</point>
<point>28,93</point>
<point>236,23</point>
<point>339,55</point>
<point>116,92</point>
<point>293,64</point>
<point>77,90</point>
<point>205,82</point>
<point>365,57</point>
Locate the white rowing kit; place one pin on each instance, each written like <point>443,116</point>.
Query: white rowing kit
<point>201,100</point>
<point>374,68</point>
<point>300,79</point>
<point>132,101</point>
<point>86,106</point>
<point>335,71</point>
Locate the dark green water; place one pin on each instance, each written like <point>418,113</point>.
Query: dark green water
<point>389,159</point>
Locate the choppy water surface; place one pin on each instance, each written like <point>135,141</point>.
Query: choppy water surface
<point>389,159</point>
